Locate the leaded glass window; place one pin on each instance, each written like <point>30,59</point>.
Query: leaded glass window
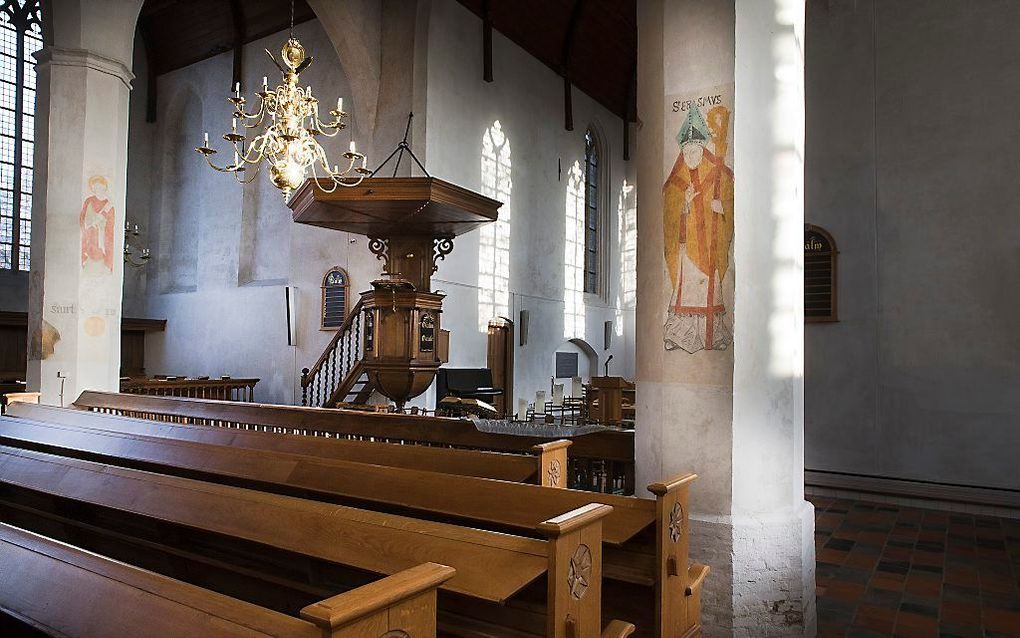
<point>20,38</point>
<point>591,214</point>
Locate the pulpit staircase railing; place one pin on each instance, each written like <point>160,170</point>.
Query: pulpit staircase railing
<point>338,376</point>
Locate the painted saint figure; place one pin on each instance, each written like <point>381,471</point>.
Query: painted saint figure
<point>98,225</point>
<point>698,227</point>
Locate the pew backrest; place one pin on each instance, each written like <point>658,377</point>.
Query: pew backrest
<point>545,464</point>
<point>518,506</point>
<point>610,449</point>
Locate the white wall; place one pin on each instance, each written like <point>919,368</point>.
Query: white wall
<point>222,252</point>
<point>245,248</point>
<point>527,99</point>
<point>913,153</point>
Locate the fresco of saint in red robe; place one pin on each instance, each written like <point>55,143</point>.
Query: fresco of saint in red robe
<point>98,224</point>
<point>698,227</point>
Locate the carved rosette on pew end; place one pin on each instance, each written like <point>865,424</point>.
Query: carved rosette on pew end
<point>411,223</point>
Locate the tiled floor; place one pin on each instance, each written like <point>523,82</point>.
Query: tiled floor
<point>885,570</point>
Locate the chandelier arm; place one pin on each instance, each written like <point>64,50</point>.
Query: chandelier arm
<point>255,173</point>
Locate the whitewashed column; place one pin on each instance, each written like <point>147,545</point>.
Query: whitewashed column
<point>720,298</point>
<point>75,288</point>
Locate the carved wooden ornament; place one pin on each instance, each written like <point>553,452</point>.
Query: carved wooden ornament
<point>676,522</point>
<point>579,572</point>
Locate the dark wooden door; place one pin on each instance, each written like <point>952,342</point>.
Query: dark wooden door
<point>500,360</point>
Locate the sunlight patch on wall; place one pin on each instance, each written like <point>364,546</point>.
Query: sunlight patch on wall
<point>494,240</point>
<point>627,237</point>
<point>573,256</point>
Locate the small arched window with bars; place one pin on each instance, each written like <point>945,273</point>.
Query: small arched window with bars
<point>335,287</point>
<point>819,275</point>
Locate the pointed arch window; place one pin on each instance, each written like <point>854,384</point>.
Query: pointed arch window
<point>494,238</point>
<point>335,289</point>
<point>592,214</point>
<point>20,37</point>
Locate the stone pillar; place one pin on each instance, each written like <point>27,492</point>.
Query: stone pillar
<point>75,286</point>
<point>720,298</point>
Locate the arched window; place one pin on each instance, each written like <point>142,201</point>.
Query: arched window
<point>20,37</point>
<point>592,219</point>
<point>574,254</point>
<point>494,238</point>
<point>334,298</point>
<point>819,275</point>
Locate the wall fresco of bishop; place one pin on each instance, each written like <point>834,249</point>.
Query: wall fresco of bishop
<point>698,222</point>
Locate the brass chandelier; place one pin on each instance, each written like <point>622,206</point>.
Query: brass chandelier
<point>288,144</point>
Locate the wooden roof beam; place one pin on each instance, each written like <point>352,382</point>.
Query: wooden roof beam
<point>568,45</point>
<point>487,40</point>
<point>237,22</point>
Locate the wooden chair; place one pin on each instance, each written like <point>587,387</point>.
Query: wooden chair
<point>609,451</point>
<point>235,537</point>
<point>532,464</point>
<point>56,587</point>
<point>646,540</point>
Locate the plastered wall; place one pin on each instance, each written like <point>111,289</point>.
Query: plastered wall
<point>912,159</point>
<point>224,253</point>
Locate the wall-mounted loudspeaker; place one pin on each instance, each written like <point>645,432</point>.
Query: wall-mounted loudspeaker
<point>290,293</point>
<point>523,327</point>
<point>607,335</point>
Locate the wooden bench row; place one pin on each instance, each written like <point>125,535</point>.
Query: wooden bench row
<point>609,453</point>
<point>62,590</point>
<point>646,549</point>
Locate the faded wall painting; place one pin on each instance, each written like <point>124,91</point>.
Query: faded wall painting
<point>698,220</point>
<point>98,225</point>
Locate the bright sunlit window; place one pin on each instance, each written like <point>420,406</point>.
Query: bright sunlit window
<point>20,37</point>
<point>627,229</point>
<point>574,255</point>
<point>494,242</point>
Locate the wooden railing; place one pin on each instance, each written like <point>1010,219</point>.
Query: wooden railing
<point>224,388</point>
<point>328,381</point>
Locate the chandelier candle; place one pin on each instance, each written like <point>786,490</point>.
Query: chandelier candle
<point>287,143</point>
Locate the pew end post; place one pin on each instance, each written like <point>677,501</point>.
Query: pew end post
<point>552,462</point>
<point>678,587</point>
<point>405,601</point>
<point>574,594</point>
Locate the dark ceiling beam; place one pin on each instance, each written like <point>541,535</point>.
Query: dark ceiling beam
<point>568,46</point>
<point>630,113</point>
<point>237,23</point>
<point>487,40</point>
<point>151,73</point>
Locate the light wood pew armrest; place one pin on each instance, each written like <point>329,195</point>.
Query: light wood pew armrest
<point>552,462</point>
<point>696,575</point>
<point>376,596</point>
<point>669,485</point>
<point>551,446</point>
<point>574,520</point>
<point>618,629</point>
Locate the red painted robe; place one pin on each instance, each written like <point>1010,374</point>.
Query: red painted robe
<point>97,228</point>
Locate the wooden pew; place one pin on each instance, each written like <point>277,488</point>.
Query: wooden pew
<point>647,541</point>
<point>264,535</point>
<point>542,465</point>
<point>59,588</point>
<point>611,450</point>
